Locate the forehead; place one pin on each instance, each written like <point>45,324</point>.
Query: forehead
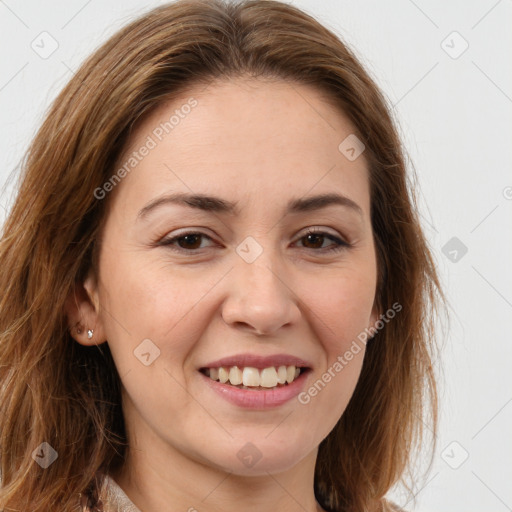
<point>245,139</point>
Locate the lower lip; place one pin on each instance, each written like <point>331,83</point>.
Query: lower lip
<point>258,399</point>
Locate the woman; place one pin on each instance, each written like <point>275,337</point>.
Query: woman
<point>216,290</point>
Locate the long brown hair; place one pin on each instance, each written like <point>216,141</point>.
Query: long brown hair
<point>54,390</point>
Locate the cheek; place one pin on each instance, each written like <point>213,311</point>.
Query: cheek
<point>343,309</point>
<point>341,314</point>
<point>149,301</point>
<point>149,310</point>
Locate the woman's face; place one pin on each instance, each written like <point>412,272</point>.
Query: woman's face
<point>242,278</point>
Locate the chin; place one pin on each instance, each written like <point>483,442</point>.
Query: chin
<point>260,456</point>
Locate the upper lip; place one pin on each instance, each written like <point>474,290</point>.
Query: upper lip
<point>257,361</point>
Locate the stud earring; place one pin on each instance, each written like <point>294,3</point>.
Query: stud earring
<point>89,334</point>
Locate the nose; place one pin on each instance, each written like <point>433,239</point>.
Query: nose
<point>260,301</point>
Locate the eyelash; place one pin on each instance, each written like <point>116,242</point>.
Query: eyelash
<point>339,243</point>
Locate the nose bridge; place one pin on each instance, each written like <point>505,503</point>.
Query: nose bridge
<point>262,277</point>
<point>259,296</point>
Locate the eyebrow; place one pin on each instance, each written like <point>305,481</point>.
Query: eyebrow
<point>216,204</point>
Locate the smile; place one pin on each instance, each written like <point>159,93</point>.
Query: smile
<point>255,397</point>
<point>249,377</point>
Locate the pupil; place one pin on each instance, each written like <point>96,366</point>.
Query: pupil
<point>187,238</point>
<point>309,237</point>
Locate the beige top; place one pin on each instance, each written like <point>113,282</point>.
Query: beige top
<point>114,499</point>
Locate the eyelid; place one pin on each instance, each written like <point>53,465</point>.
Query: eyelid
<point>314,230</point>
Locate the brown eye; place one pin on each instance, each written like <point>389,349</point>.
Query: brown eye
<point>190,241</point>
<point>186,242</point>
<point>314,239</point>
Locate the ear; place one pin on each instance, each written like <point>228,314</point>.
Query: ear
<point>82,309</point>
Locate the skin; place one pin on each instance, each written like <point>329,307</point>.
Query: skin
<point>260,143</point>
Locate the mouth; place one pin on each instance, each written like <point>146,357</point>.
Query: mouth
<point>254,381</point>
<point>248,387</point>
<point>250,377</point>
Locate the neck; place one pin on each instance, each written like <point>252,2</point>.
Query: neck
<point>165,479</point>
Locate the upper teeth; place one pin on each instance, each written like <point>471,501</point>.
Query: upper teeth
<point>249,376</point>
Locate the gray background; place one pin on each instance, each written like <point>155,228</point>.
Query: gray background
<point>454,109</point>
